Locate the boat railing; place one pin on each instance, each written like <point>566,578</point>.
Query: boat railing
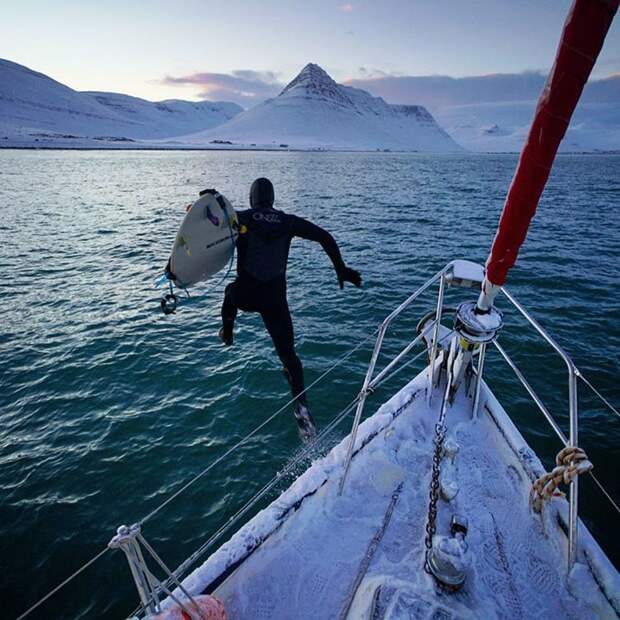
<point>573,415</point>
<point>573,374</point>
<point>445,277</point>
<point>370,381</point>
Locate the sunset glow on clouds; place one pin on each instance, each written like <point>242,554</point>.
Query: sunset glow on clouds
<point>245,87</point>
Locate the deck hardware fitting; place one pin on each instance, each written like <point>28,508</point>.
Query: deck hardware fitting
<point>130,540</point>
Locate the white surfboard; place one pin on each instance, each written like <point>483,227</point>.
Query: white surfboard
<point>206,240</point>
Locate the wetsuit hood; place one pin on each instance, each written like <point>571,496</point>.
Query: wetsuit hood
<point>261,194</point>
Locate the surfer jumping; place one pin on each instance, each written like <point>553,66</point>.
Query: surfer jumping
<point>265,236</point>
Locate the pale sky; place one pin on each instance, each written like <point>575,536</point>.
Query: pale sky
<point>210,48</point>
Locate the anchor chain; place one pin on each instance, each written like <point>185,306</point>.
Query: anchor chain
<point>431,522</point>
<point>440,435</point>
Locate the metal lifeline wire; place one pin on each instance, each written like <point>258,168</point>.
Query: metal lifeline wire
<point>614,410</point>
<point>252,433</point>
<point>609,405</point>
<point>598,483</point>
<point>289,467</point>
<point>295,461</point>
<point>63,584</point>
<point>605,493</point>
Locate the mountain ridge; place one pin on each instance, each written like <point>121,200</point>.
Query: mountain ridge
<point>35,109</point>
<point>492,113</point>
<point>313,111</point>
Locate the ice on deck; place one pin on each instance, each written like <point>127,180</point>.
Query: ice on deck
<point>305,569</point>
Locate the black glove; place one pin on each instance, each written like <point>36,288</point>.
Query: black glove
<point>346,274</point>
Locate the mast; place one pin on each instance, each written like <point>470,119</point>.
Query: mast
<point>582,39</point>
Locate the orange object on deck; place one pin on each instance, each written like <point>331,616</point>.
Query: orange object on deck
<point>210,609</point>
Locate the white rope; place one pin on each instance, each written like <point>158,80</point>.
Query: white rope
<point>611,407</point>
<point>242,441</point>
<point>172,577</point>
<point>62,584</point>
<point>166,590</point>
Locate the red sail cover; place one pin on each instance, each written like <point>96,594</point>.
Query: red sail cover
<point>584,32</point>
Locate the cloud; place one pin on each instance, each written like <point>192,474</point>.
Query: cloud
<point>245,87</point>
<point>346,8</point>
<point>436,92</point>
<point>248,87</point>
<point>372,73</point>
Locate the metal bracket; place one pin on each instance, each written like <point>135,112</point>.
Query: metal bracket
<point>130,540</point>
<point>126,539</point>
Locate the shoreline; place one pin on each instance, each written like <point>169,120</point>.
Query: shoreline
<point>280,150</point>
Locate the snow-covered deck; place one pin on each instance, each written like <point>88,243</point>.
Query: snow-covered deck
<point>299,557</point>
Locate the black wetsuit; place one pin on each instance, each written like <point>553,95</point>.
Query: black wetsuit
<point>263,245</point>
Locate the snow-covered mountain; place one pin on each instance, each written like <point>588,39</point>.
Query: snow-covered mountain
<point>171,117</point>
<point>313,111</point>
<point>503,126</point>
<point>494,112</point>
<point>37,110</point>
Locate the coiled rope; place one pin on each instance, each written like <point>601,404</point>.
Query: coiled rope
<point>570,462</point>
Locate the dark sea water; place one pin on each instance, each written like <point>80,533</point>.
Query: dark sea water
<point>107,406</point>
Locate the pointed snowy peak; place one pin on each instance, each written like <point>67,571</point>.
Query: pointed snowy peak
<point>313,81</point>
<point>311,78</point>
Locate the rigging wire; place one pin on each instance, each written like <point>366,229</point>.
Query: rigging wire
<point>611,407</point>
<point>614,410</point>
<point>63,583</point>
<point>242,441</point>
<point>201,474</point>
<point>607,495</point>
<point>288,468</point>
